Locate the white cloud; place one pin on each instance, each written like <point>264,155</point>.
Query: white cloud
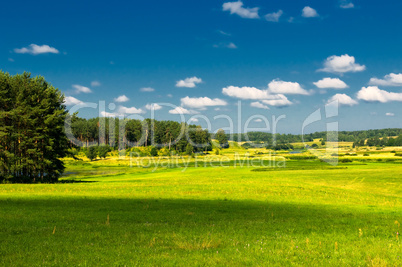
<point>95,83</point>
<point>193,120</point>
<point>237,8</point>
<point>389,114</point>
<point>224,33</point>
<point>374,94</point>
<point>258,120</point>
<point>274,17</point>
<point>181,110</point>
<point>231,46</point>
<point>279,101</point>
<point>108,114</point>
<point>34,49</point>
<point>342,64</point>
<point>347,5</point>
<point>10,59</point>
<point>121,99</point>
<point>202,102</point>
<point>246,93</point>
<point>282,87</point>
<point>70,101</point>
<point>169,95</point>
<point>343,100</point>
<point>391,79</point>
<point>153,106</point>
<point>225,45</point>
<point>147,89</point>
<point>81,89</point>
<point>132,110</point>
<point>189,82</point>
<point>334,83</point>
<point>258,105</point>
<point>309,12</point>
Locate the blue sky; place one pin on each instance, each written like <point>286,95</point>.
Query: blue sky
<point>276,57</point>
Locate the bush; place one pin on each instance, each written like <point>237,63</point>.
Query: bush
<point>398,154</point>
<point>366,154</point>
<point>92,152</point>
<point>103,150</point>
<point>345,160</point>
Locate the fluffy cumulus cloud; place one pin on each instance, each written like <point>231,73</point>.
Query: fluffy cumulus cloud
<point>331,83</point>
<point>189,82</point>
<point>121,99</point>
<point>375,94</point>
<point>309,12</point>
<point>34,49</point>
<point>147,89</point>
<point>342,64</point>
<point>343,100</point>
<point>201,102</point>
<point>252,93</point>
<point>390,114</point>
<point>181,110</point>
<point>193,120</point>
<point>279,101</point>
<point>95,83</point>
<point>81,89</point>
<point>71,101</point>
<point>258,120</point>
<point>153,106</point>
<point>132,110</point>
<point>258,105</point>
<point>238,9</point>
<point>282,87</point>
<point>246,93</point>
<point>391,79</point>
<point>274,17</point>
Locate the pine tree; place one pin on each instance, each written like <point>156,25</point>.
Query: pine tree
<point>32,138</point>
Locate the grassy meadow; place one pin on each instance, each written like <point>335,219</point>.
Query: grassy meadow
<point>242,207</point>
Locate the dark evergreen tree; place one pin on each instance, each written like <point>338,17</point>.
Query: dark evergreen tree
<point>32,138</point>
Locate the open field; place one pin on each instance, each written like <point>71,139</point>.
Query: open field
<point>186,211</point>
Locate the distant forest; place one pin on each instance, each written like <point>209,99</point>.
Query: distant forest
<point>176,136</point>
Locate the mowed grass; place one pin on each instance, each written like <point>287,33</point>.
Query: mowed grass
<point>306,213</point>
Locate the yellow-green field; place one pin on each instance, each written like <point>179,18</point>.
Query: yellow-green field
<point>242,207</point>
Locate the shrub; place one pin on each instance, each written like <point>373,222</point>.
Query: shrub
<point>366,154</point>
<point>92,152</point>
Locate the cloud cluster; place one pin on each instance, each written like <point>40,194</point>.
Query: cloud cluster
<point>189,82</point>
<point>95,83</point>
<point>391,79</point>
<point>374,94</point>
<point>34,49</point>
<point>202,102</point>
<point>342,64</point>
<point>238,9</point>
<point>331,83</point>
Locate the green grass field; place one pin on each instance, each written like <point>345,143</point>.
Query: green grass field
<point>303,212</point>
